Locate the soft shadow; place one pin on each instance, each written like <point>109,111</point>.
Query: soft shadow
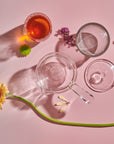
<point>71,51</point>
<point>42,117</point>
<point>51,109</point>
<point>11,41</point>
<point>36,112</point>
<point>23,83</point>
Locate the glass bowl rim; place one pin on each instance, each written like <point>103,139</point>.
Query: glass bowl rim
<point>93,23</point>
<point>86,70</point>
<point>58,54</point>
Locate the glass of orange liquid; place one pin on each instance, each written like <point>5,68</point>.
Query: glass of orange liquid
<point>37,26</point>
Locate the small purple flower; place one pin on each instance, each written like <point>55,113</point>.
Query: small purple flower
<point>73,43</point>
<point>66,37</point>
<point>65,31</point>
<point>69,39</point>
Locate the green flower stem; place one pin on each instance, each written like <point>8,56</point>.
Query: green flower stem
<point>58,121</point>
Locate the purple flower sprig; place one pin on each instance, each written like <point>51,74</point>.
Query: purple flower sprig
<point>69,39</point>
<point>64,31</point>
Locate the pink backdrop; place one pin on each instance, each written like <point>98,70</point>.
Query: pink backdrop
<point>24,126</point>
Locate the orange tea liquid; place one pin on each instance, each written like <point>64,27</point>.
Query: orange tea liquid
<point>38,27</point>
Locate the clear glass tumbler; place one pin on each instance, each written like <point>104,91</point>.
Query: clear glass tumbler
<point>92,39</point>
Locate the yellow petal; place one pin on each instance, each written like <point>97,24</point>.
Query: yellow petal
<point>3,91</point>
<point>63,108</point>
<point>63,98</point>
<point>60,103</point>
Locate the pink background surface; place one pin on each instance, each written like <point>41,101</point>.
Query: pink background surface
<point>24,126</point>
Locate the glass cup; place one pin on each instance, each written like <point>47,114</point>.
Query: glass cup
<point>37,26</point>
<point>99,75</point>
<point>92,39</point>
<point>57,73</point>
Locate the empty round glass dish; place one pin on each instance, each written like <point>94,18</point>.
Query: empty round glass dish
<point>92,39</point>
<point>99,75</point>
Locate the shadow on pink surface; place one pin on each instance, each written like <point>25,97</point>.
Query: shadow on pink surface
<point>11,41</point>
<point>23,83</point>
<point>71,51</point>
<point>52,112</point>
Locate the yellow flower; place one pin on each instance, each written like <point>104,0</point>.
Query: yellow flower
<point>3,91</point>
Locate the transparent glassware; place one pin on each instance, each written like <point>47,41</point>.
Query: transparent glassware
<point>37,26</point>
<point>92,39</point>
<point>99,75</point>
<point>57,73</point>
